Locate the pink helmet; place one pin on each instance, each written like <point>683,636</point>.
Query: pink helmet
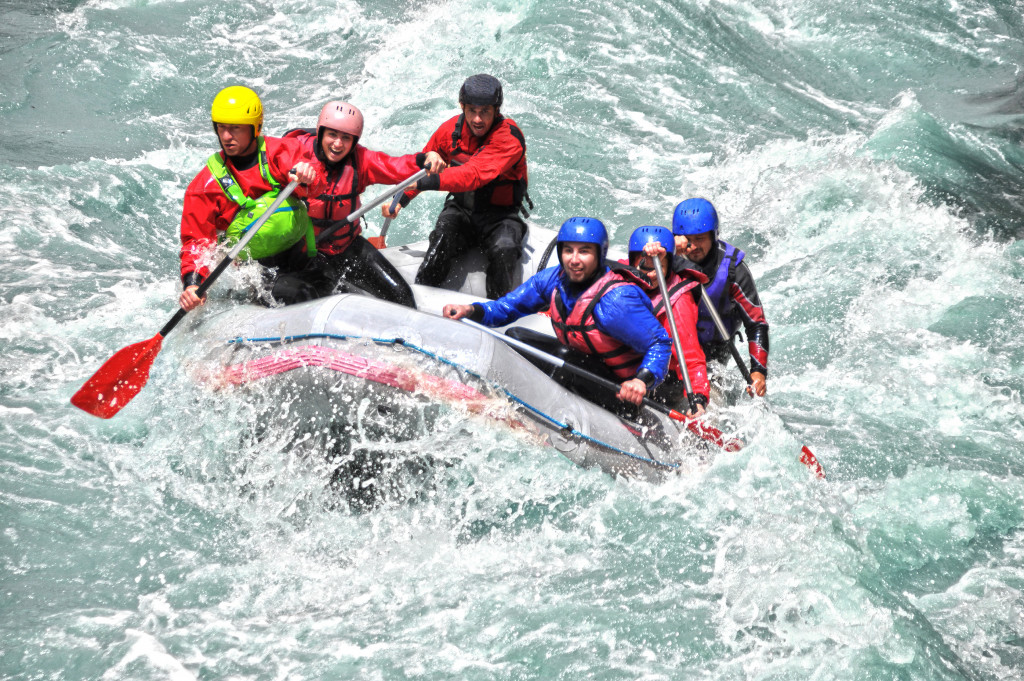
<point>341,116</point>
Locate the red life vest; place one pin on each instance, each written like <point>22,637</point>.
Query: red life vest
<point>677,287</point>
<point>506,191</point>
<point>578,329</point>
<point>339,200</point>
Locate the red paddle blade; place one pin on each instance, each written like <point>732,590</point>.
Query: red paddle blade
<point>377,242</point>
<point>808,459</point>
<point>706,432</point>
<point>119,379</point>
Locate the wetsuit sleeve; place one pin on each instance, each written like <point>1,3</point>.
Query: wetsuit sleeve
<point>624,313</point>
<point>747,306</point>
<point>499,155</point>
<point>531,296</point>
<point>204,211</point>
<point>685,313</point>
<point>376,167</point>
<point>439,142</point>
<point>283,154</point>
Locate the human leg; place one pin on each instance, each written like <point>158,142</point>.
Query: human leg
<point>363,266</point>
<point>502,242</point>
<point>448,240</point>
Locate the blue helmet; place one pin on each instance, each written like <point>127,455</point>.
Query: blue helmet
<point>644,235</point>
<point>695,216</point>
<point>584,230</point>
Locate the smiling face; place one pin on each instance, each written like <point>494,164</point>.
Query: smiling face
<point>236,140</point>
<point>336,144</point>
<point>579,260</point>
<point>479,118</point>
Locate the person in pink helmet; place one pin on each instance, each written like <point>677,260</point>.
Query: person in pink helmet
<point>346,257</point>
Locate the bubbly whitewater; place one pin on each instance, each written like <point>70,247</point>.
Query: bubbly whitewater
<point>866,155</point>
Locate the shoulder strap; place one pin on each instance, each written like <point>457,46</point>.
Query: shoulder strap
<point>220,171</point>
<point>457,134</point>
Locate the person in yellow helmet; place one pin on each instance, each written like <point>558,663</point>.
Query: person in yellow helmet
<point>234,187</point>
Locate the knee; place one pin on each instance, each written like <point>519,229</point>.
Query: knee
<point>289,290</point>
<point>504,249</point>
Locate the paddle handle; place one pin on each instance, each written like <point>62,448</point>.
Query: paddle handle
<point>232,254</point>
<point>387,222</point>
<point>674,333</point>
<point>394,191</point>
<point>717,319</point>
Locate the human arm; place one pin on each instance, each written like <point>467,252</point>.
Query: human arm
<point>437,145</point>
<point>455,311</point>
<point>747,306</point>
<point>496,156</point>
<point>289,158</point>
<point>205,211</point>
<point>624,313</point>
<point>531,296</point>
<point>377,167</point>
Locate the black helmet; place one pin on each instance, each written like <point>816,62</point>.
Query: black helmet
<point>482,90</point>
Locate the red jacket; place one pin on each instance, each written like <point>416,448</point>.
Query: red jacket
<point>684,311</point>
<point>207,209</point>
<point>494,165</point>
<point>340,197</point>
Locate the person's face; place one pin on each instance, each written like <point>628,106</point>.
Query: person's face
<point>579,260</point>
<point>479,118</point>
<point>645,264</point>
<point>236,140</point>
<point>336,144</point>
<point>698,246</point>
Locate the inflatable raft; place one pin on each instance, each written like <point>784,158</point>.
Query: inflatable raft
<point>349,359</point>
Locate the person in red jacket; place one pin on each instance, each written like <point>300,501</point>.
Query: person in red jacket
<point>349,167</point>
<point>247,167</point>
<point>646,251</point>
<point>486,185</point>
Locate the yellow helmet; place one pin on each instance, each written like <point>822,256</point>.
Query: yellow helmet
<point>237,105</point>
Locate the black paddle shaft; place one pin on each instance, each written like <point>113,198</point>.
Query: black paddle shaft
<point>717,319</point>
<point>571,368</point>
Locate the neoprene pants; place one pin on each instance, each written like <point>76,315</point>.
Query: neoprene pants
<point>361,265</point>
<point>499,235</point>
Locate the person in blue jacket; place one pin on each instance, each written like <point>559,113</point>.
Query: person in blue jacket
<point>596,309</point>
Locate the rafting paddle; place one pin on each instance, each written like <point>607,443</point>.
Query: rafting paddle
<point>806,455</point>
<point>701,430</point>
<point>674,333</point>
<point>380,241</point>
<point>394,191</point>
<point>125,374</point>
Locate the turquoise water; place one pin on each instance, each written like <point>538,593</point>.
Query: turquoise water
<point>868,158</point>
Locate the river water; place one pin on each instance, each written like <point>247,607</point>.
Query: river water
<point>866,156</point>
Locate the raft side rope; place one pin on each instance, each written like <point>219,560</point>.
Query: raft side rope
<point>564,427</point>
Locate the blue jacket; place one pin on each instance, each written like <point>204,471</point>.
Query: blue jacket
<point>624,313</point>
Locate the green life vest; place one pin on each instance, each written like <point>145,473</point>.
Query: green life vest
<point>282,230</point>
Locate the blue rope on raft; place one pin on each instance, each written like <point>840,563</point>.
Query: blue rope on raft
<point>564,427</point>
